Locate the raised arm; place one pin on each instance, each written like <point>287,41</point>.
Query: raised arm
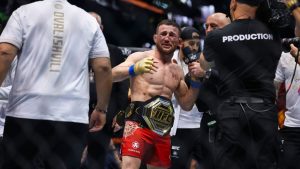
<point>204,63</point>
<point>136,63</point>
<point>120,72</point>
<point>185,96</point>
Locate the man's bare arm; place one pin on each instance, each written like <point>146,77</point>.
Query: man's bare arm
<point>103,79</point>
<point>277,86</point>
<point>136,63</point>
<point>7,54</point>
<point>185,96</point>
<point>120,72</point>
<point>204,64</point>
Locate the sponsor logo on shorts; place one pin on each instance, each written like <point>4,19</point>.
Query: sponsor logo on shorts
<point>175,151</point>
<point>176,148</point>
<point>135,145</point>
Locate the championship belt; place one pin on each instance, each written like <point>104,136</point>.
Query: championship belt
<point>129,110</point>
<point>158,113</point>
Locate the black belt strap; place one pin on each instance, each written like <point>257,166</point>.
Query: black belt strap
<point>137,108</point>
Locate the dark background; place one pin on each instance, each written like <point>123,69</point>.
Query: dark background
<point>131,25</point>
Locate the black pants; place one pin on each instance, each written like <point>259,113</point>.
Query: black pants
<point>291,147</point>
<point>35,144</point>
<point>207,158</point>
<point>185,144</point>
<point>248,136</point>
<point>98,147</point>
<point>1,152</point>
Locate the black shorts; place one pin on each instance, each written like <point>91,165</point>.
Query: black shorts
<point>185,145</point>
<point>290,152</point>
<point>30,144</point>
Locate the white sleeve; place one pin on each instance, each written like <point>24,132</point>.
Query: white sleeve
<point>13,69</point>
<point>99,47</point>
<point>13,31</point>
<point>4,92</point>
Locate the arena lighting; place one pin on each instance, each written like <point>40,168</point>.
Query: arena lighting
<point>102,2</point>
<point>161,4</point>
<point>180,19</point>
<point>206,10</point>
<point>187,2</point>
<point>145,5</point>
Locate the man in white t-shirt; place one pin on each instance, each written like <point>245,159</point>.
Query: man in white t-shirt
<point>290,132</point>
<point>47,112</point>
<point>186,127</point>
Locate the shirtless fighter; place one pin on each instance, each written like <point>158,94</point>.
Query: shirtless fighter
<point>149,117</point>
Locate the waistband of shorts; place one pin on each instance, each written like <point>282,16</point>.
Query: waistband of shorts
<point>137,108</point>
<point>136,116</point>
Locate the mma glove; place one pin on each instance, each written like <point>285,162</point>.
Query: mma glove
<point>143,66</point>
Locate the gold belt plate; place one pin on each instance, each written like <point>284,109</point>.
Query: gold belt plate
<point>159,115</point>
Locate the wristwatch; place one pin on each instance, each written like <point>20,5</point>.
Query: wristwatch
<point>207,74</point>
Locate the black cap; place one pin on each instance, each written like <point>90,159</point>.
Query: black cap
<point>189,33</point>
<point>251,2</point>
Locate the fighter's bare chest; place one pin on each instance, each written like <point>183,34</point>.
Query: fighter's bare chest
<point>164,74</point>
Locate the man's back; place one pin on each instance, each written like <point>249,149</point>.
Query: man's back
<point>248,55</point>
<point>56,40</point>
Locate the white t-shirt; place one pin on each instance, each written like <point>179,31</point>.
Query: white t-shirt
<point>55,40</point>
<point>184,119</point>
<point>284,73</point>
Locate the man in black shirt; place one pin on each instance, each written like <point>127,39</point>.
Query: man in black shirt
<point>208,97</point>
<point>246,53</point>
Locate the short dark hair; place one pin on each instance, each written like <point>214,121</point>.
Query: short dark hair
<point>168,22</point>
<point>251,2</point>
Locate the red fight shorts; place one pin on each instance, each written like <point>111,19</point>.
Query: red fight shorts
<point>146,145</point>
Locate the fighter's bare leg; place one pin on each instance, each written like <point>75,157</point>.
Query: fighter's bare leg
<point>130,162</point>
